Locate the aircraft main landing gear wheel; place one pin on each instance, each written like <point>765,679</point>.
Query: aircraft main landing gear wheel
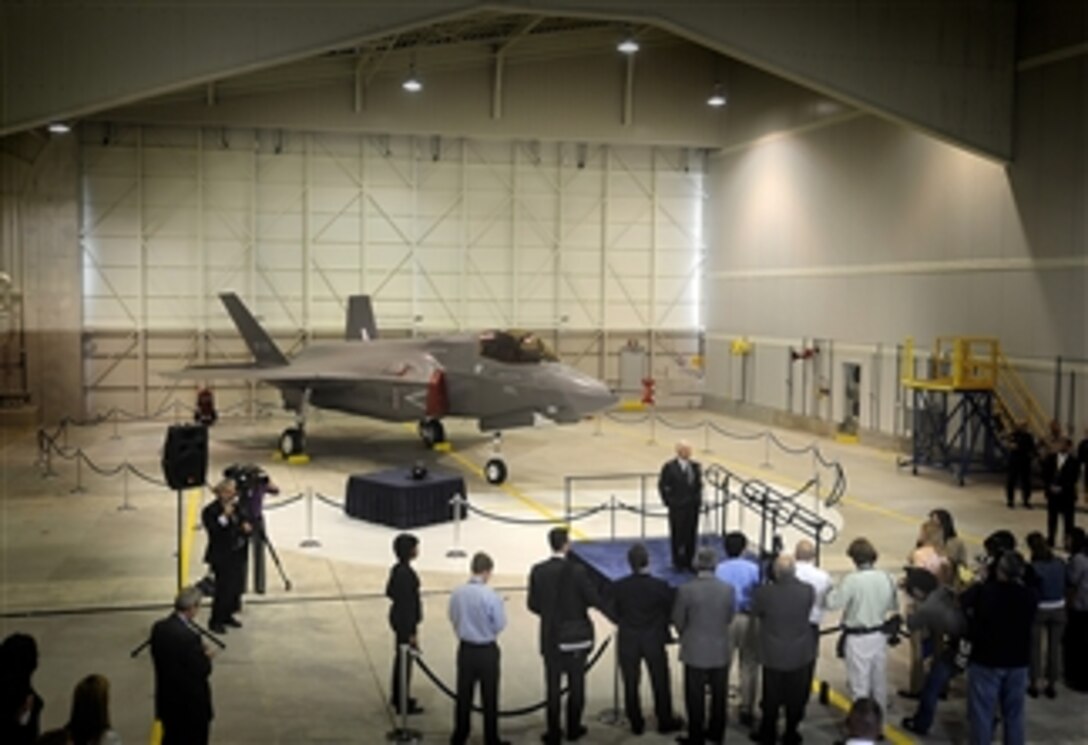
<point>495,471</point>
<point>292,442</point>
<point>431,432</point>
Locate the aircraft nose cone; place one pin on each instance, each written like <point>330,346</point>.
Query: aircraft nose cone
<point>592,396</point>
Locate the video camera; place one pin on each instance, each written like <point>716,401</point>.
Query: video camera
<point>251,482</point>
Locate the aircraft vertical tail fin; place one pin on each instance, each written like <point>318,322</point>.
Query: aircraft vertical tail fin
<point>260,344</point>
<point>361,325</point>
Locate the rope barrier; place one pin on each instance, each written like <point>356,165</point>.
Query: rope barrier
<point>536,520</point>
<point>329,501</point>
<point>521,711</point>
<point>681,427</point>
<point>283,502</point>
<point>734,435</point>
<point>623,419</point>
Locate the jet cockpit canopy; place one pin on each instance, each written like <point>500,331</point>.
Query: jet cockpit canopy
<point>515,347</point>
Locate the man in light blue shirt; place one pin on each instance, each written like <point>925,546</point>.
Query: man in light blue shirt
<point>478,616</point>
<point>740,572</point>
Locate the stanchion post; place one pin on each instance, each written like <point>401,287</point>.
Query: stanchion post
<point>49,472</point>
<point>115,434</point>
<point>402,733</point>
<point>181,573</point>
<point>125,505</point>
<point>642,506</point>
<point>64,434</point>
<point>456,552</point>
<point>766,451</point>
<point>706,435</point>
<point>612,517</point>
<point>309,541</point>
<point>613,715</point>
<point>78,488</point>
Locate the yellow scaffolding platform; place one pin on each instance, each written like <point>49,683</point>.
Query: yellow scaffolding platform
<point>956,423</point>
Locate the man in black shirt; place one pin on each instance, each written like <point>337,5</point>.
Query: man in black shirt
<point>681,488</point>
<point>1000,615</point>
<point>228,536</point>
<point>405,614</point>
<point>560,593</point>
<point>1021,454</point>
<point>643,606</point>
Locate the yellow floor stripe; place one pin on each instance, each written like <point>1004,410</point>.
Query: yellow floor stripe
<point>193,497</point>
<point>860,504</point>
<point>892,734</point>
<point>517,494</point>
<point>510,489</point>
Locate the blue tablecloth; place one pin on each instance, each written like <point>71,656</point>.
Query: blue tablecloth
<point>395,499</point>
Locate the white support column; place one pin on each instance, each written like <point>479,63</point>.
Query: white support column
<point>307,249</point>
<point>364,234</point>
<point>557,255</point>
<point>652,315</point>
<point>413,158</point>
<point>606,194</point>
<point>201,258</point>
<point>515,262</point>
<point>463,238</point>
<point>251,251</point>
<point>141,319</point>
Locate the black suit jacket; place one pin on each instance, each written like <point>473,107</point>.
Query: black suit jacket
<point>1065,479</point>
<point>559,590</point>
<point>182,669</point>
<point>224,541</point>
<point>406,611</point>
<point>676,489</point>
<point>785,636</point>
<point>642,606</point>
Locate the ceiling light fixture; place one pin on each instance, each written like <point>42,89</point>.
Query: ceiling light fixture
<point>58,128</point>
<point>628,45</point>
<point>717,97</point>
<point>412,83</point>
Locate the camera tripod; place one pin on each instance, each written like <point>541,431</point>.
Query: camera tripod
<point>262,541</point>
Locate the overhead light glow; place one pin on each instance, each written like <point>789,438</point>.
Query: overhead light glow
<point>627,46</point>
<point>412,83</point>
<point>717,97</point>
<point>58,128</point>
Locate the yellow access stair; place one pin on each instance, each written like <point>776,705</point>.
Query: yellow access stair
<point>991,398</point>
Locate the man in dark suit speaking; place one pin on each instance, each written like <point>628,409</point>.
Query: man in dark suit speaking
<point>183,696</point>
<point>1060,471</point>
<point>681,489</point>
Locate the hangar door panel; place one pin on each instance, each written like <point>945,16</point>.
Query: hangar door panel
<point>444,233</point>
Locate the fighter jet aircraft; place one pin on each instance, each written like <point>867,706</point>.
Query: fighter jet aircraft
<point>503,379</point>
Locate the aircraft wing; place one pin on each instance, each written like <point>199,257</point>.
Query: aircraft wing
<point>409,370</point>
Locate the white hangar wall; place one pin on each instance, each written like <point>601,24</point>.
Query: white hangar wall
<point>593,244</point>
<point>860,233</point>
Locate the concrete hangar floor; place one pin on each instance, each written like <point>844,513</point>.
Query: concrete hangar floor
<point>87,577</point>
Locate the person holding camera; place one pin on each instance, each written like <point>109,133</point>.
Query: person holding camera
<point>228,535</point>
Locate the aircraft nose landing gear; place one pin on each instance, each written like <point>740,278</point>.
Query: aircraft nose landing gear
<point>495,469</point>
<point>292,442</point>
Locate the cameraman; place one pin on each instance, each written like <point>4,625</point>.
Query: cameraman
<point>252,484</point>
<point>228,535</point>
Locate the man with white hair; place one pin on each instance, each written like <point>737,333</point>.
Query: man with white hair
<point>681,488</point>
<point>820,581</point>
<point>786,648</point>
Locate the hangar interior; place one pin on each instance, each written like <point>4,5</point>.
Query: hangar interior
<point>878,172</point>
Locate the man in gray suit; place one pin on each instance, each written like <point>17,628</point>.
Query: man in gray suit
<point>786,647</point>
<point>703,611</point>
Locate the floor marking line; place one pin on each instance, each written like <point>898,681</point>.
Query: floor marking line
<point>512,490</point>
<point>893,734</point>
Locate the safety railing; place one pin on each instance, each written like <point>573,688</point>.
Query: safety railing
<point>1018,401</point>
